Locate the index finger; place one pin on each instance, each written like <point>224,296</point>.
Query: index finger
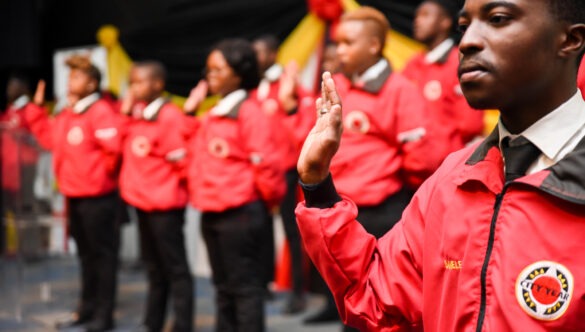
<point>39,97</point>
<point>330,91</point>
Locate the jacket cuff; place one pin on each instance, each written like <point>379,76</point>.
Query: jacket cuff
<point>322,195</point>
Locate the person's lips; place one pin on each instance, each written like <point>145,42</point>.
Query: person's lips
<point>471,71</point>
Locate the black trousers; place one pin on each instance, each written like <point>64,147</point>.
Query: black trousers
<point>291,229</point>
<point>162,245</point>
<point>93,226</point>
<point>379,219</point>
<point>234,241</point>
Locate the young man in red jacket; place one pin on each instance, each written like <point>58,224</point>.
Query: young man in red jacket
<point>493,240</point>
<point>152,180</point>
<point>435,73</point>
<point>581,77</point>
<point>85,140</point>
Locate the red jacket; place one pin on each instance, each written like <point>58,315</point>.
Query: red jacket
<point>386,143</point>
<point>152,177</point>
<point>18,146</point>
<point>467,252</point>
<point>290,130</point>
<point>86,147</point>
<point>234,160</point>
<point>440,86</point>
<point>581,78</point>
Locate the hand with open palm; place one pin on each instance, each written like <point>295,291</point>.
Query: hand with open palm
<point>323,140</point>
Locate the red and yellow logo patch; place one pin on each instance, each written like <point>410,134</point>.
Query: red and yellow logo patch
<point>218,147</point>
<point>75,136</point>
<point>357,122</point>
<point>544,290</point>
<point>140,146</point>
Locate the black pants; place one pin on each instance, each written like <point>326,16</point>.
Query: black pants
<point>379,219</point>
<point>163,252</point>
<point>268,251</point>
<point>291,229</point>
<point>234,241</point>
<point>92,224</point>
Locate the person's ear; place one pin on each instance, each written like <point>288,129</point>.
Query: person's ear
<point>159,85</point>
<point>92,85</point>
<point>574,40</point>
<point>446,24</point>
<point>375,47</point>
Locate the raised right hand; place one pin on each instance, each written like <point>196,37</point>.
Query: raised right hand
<point>323,140</point>
<point>39,97</point>
<point>127,103</point>
<point>196,97</point>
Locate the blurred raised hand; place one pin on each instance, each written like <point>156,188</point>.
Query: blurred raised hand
<point>323,140</point>
<point>287,92</point>
<point>39,97</point>
<point>196,97</point>
<point>127,102</point>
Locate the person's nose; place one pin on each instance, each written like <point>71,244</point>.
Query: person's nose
<point>472,40</point>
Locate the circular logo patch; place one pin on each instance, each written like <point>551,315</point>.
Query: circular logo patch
<point>140,146</point>
<point>218,147</point>
<point>270,106</point>
<point>544,290</point>
<point>75,136</point>
<point>357,121</point>
<point>433,90</point>
<point>13,121</point>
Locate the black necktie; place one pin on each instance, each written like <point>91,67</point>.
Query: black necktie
<point>519,154</point>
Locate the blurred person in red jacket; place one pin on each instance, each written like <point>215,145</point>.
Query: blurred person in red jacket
<point>291,110</point>
<point>388,146</point>
<point>85,139</point>
<point>581,77</point>
<point>435,73</point>
<point>235,179</point>
<point>492,241</point>
<point>152,179</point>
<point>19,148</point>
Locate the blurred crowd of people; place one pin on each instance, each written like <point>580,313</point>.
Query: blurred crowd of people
<point>236,164</point>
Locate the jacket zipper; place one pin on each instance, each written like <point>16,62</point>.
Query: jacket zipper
<point>486,261</point>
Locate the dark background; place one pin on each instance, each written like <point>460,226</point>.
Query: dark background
<point>177,32</point>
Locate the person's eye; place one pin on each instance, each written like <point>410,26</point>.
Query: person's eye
<point>462,27</point>
<point>499,19</point>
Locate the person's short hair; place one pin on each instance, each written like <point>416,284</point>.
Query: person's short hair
<point>82,63</point>
<point>270,41</point>
<point>375,17</point>
<point>241,57</point>
<point>451,7</point>
<point>21,78</point>
<point>157,69</point>
<point>572,11</point>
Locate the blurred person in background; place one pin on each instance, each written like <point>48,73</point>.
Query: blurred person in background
<point>19,149</point>
<point>435,73</point>
<point>235,179</point>
<point>290,110</point>
<point>153,180</point>
<point>388,148</point>
<point>85,139</point>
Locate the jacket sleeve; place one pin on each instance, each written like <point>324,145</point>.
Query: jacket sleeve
<point>257,133</point>
<point>173,145</point>
<point>377,284</point>
<point>423,148</point>
<point>40,124</point>
<point>109,130</point>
